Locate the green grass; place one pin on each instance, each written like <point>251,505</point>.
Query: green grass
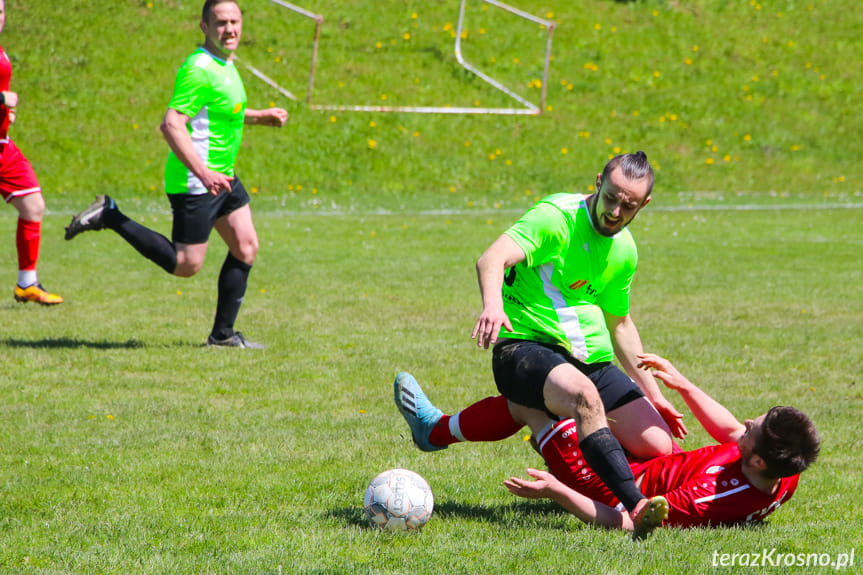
<point>126,447</point>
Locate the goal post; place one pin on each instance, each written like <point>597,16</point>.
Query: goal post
<point>527,107</point>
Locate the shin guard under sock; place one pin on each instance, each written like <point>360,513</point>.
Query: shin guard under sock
<point>233,280</point>
<point>605,456</point>
<point>152,245</point>
<point>486,420</point>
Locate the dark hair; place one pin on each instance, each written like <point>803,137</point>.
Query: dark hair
<point>633,166</point>
<point>208,7</point>
<point>788,442</point>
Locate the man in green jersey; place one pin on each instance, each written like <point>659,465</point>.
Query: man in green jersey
<point>558,282</point>
<point>203,127</point>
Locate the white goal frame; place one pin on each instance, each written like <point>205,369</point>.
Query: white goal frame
<point>528,107</point>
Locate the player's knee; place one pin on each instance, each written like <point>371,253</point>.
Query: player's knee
<point>248,251</point>
<point>654,443</point>
<point>187,268</point>
<point>31,207</point>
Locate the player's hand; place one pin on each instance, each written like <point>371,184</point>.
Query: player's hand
<point>662,370</point>
<point>541,488</point>
<point>216,182</point>
<point>11,99</point>
<point>672,417</point>
<point>488,327</point>
<point>273,117</point>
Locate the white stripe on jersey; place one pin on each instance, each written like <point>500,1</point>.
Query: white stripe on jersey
<point>201,140</point>
<point>716,496</point>
<point>566,315</point>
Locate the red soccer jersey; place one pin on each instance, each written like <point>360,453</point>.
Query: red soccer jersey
<point>5,79</point>
<point>705,486</point>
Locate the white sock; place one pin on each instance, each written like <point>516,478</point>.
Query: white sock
<point>26,278</point>
<point>455,428</point>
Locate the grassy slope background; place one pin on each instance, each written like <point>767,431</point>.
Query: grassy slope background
<point>125,447</point>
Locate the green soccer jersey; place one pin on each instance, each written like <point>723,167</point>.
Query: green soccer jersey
<point>569,276</point>
<point>208,90</point>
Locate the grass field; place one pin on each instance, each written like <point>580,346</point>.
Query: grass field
<point>126,447</point>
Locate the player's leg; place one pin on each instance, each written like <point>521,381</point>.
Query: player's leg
<point>20,187</point>
<point>104,213</point>
<point>237,229</point>
<point>486,420</point>
<point>545,377</point>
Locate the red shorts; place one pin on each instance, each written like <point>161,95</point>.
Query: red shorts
<point>17,177</point>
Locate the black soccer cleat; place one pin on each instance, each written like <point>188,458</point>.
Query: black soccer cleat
<point>236,340</point>
<point>92,218</point>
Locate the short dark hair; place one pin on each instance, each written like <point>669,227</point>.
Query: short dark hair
<point>209,5</point>
<point>788,442</point>
<point>634,167</point>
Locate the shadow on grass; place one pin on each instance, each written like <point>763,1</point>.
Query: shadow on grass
<point>519,514</point>
<point>74,343</point>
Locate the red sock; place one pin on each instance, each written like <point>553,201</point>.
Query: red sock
<point>486,420</point>
<point>27,241</point>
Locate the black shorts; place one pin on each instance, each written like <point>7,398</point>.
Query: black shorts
<point>521,367</point>
<point>195,214</point>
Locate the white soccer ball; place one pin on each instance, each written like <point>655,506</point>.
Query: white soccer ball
<point>398,500</point>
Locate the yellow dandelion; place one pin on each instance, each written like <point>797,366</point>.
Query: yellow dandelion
<point>383,96</point>
<point>372,144</point>
<point>616,149</point>
<point>416,134</point>
<point>688,61</point>
<point>467,144</point>
<point>714,149</point>
<point>636,113</point>
<point>564,151</point>
<point>509,162</point>
<point>657,74</point>
<point>747,137</point>
<point>708,161</point>
<point>372,124</point>
<point>332,119</point>
<point>549,108</point>
<point>406,35</point>
<point>378,45</point>
<point>597,26</point>
<point>263,290</point>
<point>179,292</point>
<point>726,158</point>
<point>414,15</point>
<point>254,190</point>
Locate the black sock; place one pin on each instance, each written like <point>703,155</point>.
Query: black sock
<point>605,456</point>
<point>232,288</point>
<point>152,245</point>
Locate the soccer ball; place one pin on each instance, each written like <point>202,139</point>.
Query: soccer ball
<point>398,500</point>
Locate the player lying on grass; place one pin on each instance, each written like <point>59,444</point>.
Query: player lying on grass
<point>751,473</point>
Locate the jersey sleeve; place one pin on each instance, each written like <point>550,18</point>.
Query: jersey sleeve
<point>190,90</point>
<point>541,233</point>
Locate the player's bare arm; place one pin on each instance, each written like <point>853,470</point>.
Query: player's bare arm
<point>501,255</point>
<point>174,128</point>
<point>273,117</point>
<point>713,416</point>
<point>627,350</point>
<point>547,486</point>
